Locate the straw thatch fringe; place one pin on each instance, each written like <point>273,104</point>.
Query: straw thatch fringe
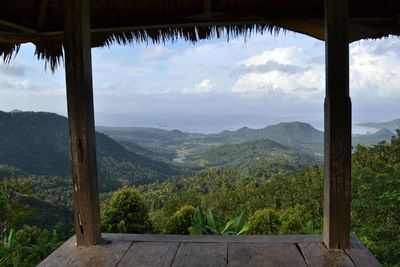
<point>8,51</point>
<point>51,50</point>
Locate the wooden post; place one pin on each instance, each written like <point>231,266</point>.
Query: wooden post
<point>78,72</point>
<point>337,185</point>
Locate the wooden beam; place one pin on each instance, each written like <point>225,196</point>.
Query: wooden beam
<point>337,193</point>
<point>78,72</point>
<point>17,27</point>
<point>42,14</point>
<point>208,6</point>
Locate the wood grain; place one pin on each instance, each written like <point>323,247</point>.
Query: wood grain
<point>337,191</point>
<point>360,255</point>
<point>317,255</point>
<point>201,254</point>
<point>218,239</point>
<point>101,255</point>
<point>264,255</point>
<point>143,254</point>
<point>78,73</point>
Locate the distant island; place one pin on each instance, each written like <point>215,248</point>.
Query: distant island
<point>389,125</point>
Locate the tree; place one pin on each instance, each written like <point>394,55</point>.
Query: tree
<point>126,213</point>
<point>264,222</point>
<point>180,221</point>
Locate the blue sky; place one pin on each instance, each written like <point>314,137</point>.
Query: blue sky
<point>213,85</point>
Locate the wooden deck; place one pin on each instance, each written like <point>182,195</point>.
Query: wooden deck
<point>202,250</point>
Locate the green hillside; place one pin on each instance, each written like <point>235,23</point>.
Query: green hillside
<point>249,154</point>
<point>37,143</point>
<point>294,134</point>
<point>180,145</point>
<point>374,138</point>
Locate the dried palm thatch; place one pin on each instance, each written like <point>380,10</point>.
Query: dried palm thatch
<point>156,21</point>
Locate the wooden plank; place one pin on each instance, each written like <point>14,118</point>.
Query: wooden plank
<point>201,254</point>
<point>143,254</point>
<point>337,193</point>
<point>276,254</point>
<point>316,254</point>
<point>102,255</point>
<point>218,238</point>
<point>360,255</point>
<point>78,72</point>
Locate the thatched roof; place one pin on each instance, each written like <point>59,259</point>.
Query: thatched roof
<point>129,21</point>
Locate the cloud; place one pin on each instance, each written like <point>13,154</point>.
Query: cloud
<point>14,69</point>
<point>205,86</point>
<point>374,71</point>
<point>281,71</point>
<point>270,66</point>
<point>155,53</point>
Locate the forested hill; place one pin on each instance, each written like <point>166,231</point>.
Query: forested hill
<point>294,134</point>
<point>250,154</point>
<point>172,144</point>
<point>37,143</point>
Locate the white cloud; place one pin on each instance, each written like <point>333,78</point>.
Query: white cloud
<point>283,55</point>
<point>157,52</point>
<point>374,72</point>
<point>205,86</point>
<point>285,71</point>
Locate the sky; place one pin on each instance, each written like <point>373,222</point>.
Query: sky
<point>213,85</point>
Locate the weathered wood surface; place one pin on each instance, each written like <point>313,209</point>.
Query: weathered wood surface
<point>264,255</point>
<point>143,254</point>
<point>337,191</point>
<point>218,239</point>
<point>360,255</point>
<point>201,254</point>
<point>78,73</point>
<point>164,250</point>
<point>102,255</point>
<point>316,254</point>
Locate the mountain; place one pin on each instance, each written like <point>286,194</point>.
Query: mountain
<point>247,154</point>
<point>374,138</point>
<point>389,125</point>
<point>179,146</point>
<point>293,134</point>
<point>37,143</point>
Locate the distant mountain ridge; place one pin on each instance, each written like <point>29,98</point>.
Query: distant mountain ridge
<point>369,139</point>
<point>170,143</point>
<point>389,125</point>
<point>37,143</point>
<point>293,134</point>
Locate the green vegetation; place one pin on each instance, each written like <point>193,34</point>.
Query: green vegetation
<point>208,224</point>
<point>264,222</point>
<point>265,176</point>
<point>126,213</point>
<point>29,245</point>
<point>247,155</point>
<point>180,221</point>
<point>376,198</point>
<point>36,143</point>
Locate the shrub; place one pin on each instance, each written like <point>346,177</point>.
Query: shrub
<point>265,222</point>
<point>180,221</point>
<point>126,213</point>
<point>207,224</point>
<point>292,220</point>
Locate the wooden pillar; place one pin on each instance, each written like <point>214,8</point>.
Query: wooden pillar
<point>337,184</point>
<point>78,72</point>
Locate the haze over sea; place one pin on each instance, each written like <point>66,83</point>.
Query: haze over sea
<point>210,123</point>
